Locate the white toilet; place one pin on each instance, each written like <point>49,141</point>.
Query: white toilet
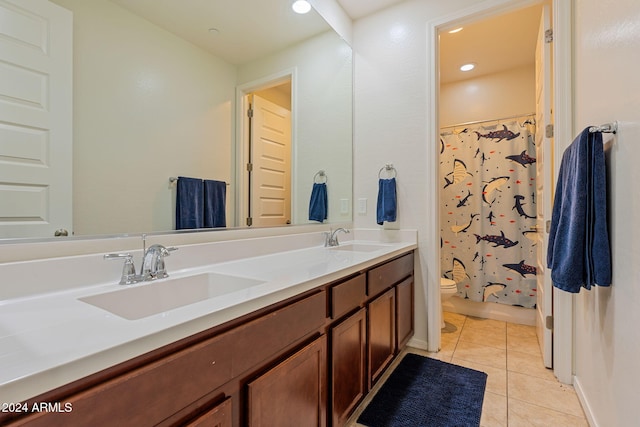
<point>448,288</point>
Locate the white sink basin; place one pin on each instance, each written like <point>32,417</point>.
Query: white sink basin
<point>358,247</point>
<point>146,299</point>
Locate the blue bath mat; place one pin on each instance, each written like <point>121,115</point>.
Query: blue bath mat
<point>425,392</point>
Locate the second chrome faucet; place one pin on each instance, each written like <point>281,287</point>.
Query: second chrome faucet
<point>331,237</point>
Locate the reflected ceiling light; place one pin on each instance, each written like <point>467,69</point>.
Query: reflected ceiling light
<point>468,67</point>
<point>301,6</point>
<point>457,30</point>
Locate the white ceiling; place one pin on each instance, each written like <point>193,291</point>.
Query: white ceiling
<point>248,29</point>
<point>357,9</point>
<point>495,44</point>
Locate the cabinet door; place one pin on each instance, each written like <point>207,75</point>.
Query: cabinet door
<point>404,312</point>
<point>294,392</point>
<point>218,416</point>
<point>348,357</point>
<point>381,333</point>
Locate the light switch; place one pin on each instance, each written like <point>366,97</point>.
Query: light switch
<point>344,206</point>
<point>362,206</point>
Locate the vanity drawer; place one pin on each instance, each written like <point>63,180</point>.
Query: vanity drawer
<point>348,295</point>
<point>262,338</point>
<point>387,275</point>
<point>148,395</point>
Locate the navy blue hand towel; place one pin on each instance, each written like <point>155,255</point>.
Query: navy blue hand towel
<point>387,201</point>
<point>318,203</point>
<point>215,193</point>
<point>579,253</point>
<point>189,201</point>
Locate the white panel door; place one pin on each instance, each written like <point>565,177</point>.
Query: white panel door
<point>35,118</point>
<point>544,180</point>
<point>271,160</point>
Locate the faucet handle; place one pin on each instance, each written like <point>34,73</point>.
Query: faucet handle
<point>128,270</point>
<point>161,270</point>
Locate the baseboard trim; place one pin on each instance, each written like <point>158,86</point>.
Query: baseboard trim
<point>584,402</point>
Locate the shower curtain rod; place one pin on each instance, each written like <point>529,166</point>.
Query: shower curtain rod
<point>486,121</point>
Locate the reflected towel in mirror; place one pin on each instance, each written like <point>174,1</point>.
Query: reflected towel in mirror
<point>214,203</point>
<point>189,203</point>
<point>318,203</point>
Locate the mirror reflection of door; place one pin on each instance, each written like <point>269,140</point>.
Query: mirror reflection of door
<point>269,167</point>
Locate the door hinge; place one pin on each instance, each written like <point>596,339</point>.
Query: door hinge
<point>250,112</point>
<point>547,226</point>
<point>249,221</point>
<point>249,167</point>
<point>549,322</point>
<point>549,131</point>
<point>548,35</point>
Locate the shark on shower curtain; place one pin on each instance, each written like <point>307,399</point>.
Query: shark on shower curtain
<point>487,211</point>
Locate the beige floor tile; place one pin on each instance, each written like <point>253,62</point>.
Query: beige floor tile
<point>529,364</point>
<point>523,414</point>
<point>481,354</point>
<point>479,323</point>
<point>524,344</point>
<point>546,393</point>
<point>485,336</point>
<point>494,411</point>
<point>454,320</point>
<point>496,377</point>
<point>515,329</point>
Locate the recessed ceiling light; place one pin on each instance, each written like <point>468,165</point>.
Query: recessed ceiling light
<point>301,6</point>
<point>468,67</point>
<point>457,30</point>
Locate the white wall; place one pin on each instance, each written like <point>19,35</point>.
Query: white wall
<point>147,106</point>
<point>607,88</point>
<point>322,117</point>
<point>489,97</point>
<point>390,105</point>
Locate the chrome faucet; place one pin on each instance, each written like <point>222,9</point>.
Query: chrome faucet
<point>153,262</point>
<point>331,237</point>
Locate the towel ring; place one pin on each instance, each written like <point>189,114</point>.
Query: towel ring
<point>320,174</point>
<point>389,169</point>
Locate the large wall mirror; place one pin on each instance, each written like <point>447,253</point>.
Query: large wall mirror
<point>159,91</point>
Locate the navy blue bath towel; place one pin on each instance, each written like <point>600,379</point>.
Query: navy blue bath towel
<point>579,252</point>
<point>215,193</point>
<point>387,201</point>
<point>189,203</point>
<point>318,204</point>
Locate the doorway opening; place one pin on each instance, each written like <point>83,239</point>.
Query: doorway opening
<point>562,112</point>
<point>264,161</point>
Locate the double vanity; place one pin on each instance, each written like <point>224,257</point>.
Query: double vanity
<point>270,331</point>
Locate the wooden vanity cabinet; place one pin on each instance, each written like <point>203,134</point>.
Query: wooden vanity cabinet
<point>306,361</point>
<point>404,312</point>
<point>381,334</point>
<point>218,416</point>
<point>384,317</point>
<point>348,365</point>
<point>294,392</point>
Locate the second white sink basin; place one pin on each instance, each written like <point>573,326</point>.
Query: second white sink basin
<point>146,299</point>
<point>358,247</point>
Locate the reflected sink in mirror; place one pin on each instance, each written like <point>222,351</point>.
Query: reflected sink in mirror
<point>358,247</point>
<point>143,300</point>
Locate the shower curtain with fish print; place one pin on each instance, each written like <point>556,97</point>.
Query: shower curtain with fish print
<point>488,209</point>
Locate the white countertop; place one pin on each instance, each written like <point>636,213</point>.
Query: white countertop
<point>52,339</point>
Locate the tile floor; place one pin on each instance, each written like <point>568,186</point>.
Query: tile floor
<point>520,390</point>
